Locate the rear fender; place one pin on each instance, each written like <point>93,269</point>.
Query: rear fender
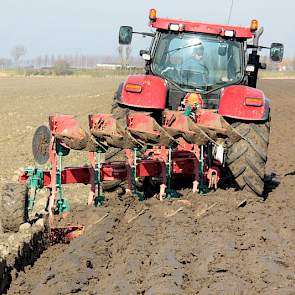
<point>118,92</point>
<point>149,92</point>
<point>233,103</point>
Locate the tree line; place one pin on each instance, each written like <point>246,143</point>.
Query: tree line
<point>18,59</point>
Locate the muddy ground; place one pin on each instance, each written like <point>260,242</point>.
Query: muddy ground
<point>196,245</point>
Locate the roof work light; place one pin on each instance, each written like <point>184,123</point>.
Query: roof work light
<point>229,33</point>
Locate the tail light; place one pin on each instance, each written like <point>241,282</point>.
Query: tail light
<point>133,88</point>
<point>254,101</point>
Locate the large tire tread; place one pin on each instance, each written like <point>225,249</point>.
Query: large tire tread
<point>246,159</point>
<point>120,114</point>
<point>13,206</point>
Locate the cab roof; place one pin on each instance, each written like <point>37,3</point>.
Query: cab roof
<point>213,29</point>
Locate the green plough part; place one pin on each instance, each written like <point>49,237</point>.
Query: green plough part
<point>135,192</point>
<point>100,198</point>
<point>170,193</point>
<point>35,183</point>
<point>203,188</point>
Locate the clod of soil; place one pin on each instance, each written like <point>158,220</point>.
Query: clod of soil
<point>20,249</point>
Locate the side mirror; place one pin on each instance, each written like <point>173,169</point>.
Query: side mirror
<point>276,52</point>
<point>222,49</point>
<point>125,35</point>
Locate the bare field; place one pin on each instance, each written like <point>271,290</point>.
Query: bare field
<point>27,102</point>
<point>203,245</point>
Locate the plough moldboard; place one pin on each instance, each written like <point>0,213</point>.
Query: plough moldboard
<point>183,146</point>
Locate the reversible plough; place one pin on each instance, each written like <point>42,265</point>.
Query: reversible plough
<point>183,147</point>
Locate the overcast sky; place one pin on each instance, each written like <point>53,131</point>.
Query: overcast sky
<point>91,26</point>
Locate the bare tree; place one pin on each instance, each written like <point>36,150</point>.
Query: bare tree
<point>128,53</point>
<point>121,55</point>
<point>5,63</point>
<point>17,53</point>
<point>124,55</point>
<point>39,62</point>
<point>61,67</point>
<point>46,60</point>
<point>52,60</point>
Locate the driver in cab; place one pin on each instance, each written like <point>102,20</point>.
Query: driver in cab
<point>194,70</point>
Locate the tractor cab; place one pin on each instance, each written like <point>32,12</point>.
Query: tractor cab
<point>202,57</point>
<point>195,61</point>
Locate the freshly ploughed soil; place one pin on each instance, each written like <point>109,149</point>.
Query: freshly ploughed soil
<point>213,244</point>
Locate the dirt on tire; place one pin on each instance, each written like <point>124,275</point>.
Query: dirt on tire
<point>13,204</point>
<point>246,159</point>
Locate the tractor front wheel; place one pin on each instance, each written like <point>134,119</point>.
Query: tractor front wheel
<point>246,159</point>
<point>13,209</point>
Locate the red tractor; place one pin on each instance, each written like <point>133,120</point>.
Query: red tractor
<point>195,115</point>
<point>203,71</point>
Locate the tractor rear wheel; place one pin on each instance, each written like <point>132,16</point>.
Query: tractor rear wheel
<point>120,113</point>
<point>13,209</point>
<point>112,153</point>
<point>246,159</point>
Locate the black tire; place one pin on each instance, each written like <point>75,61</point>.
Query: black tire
<point>112,153</point>
<point>14,197</point>
<point>110,185</point>
<point>246,159</point>
<point>120,114</point>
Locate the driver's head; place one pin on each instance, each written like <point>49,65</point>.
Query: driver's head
<point>198,52</point>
